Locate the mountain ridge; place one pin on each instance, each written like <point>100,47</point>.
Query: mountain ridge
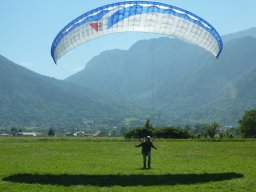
<point>235,35</point>
<point>159,76</point>
<point>30,99</point>
<point>166,80</point>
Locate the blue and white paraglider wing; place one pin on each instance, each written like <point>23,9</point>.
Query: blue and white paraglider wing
<point>137,16</point>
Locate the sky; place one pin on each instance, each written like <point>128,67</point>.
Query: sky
<point>28,28</point>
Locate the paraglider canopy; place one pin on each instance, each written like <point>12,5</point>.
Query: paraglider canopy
<point>137,16</point>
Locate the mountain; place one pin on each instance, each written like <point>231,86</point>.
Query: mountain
<point>171,80</point>
<point>201,87</point>
<point>164,79</point>
<point>248,32</point>
<point>237,97</point>
<point>133,76</point>
<point>29,99</point>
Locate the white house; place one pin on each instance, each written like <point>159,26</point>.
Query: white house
<point>29,134</point>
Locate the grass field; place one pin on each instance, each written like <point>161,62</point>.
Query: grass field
<point>85,164</point>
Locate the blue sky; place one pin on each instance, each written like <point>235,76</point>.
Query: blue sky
<point>28,28</point>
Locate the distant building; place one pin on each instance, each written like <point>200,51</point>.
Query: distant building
<point>69,134</point>
<point>29,134</point>
<point>83,134</point>
<point>100,134</point>
<point>79,134</point>
<point>4,135</point>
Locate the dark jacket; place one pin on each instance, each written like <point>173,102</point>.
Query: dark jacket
<point>146,146</point>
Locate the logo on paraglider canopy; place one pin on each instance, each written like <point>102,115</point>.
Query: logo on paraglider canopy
<point>97,26</point>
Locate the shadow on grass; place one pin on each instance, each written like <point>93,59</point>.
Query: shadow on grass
<point>120,180</point>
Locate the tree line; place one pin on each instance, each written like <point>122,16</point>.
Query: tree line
<point>164,132</point>
<point>246,129</point>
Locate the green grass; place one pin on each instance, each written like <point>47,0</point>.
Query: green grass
<point>113,164</point>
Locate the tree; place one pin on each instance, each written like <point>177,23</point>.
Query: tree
<point>138,133</point>
<point>148,125</point>
<point>212,129</point>
<point>163,132</point>
<point>172,132</point>
<point>222,133</point>
<point>13,131</point>
<point>200,129</point>
<point>248,124</point>
<point>51,132</point>
<point>231,132</point>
